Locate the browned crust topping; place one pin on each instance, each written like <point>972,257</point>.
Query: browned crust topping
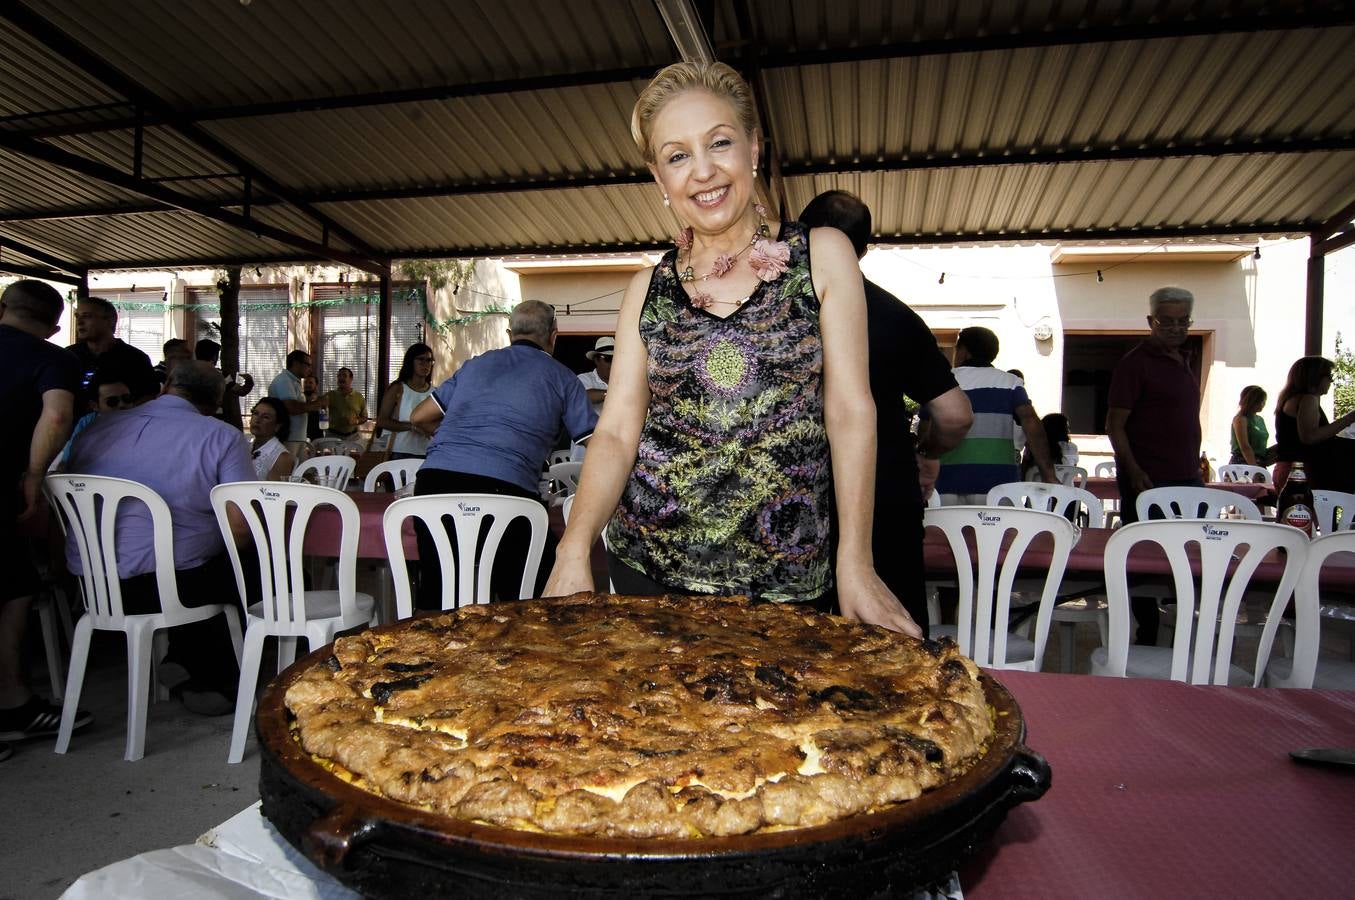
<point>669,717</point>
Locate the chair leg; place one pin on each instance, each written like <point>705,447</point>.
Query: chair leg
<point>286,652</point>
<point>75,680</point>
<point>140,643</point>
<point>50,644</point>
<point>160,646</point>
<point>244,697</point>
<point>237,638</point>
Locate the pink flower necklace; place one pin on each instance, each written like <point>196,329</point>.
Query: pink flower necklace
<point>769,260</point>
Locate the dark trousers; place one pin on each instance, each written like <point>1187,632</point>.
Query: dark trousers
<point>1145,608</point>
<point>511,559</point>
<point>203,648</point>
<point>630,581</point>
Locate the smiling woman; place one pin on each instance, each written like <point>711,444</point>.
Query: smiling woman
<point>739,359</point>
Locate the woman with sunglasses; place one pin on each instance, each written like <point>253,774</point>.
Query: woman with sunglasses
<point>410,388</point>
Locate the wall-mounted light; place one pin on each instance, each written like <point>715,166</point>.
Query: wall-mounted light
<point>258,272</point>
<point>1256,254</point>
<point>1043,332</point>
<point>942,279</point>
<point>1099,277</point>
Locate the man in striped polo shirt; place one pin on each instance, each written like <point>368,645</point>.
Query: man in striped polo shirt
<point>987,455</point>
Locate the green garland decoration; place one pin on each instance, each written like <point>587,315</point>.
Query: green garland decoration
<point>413,295</point>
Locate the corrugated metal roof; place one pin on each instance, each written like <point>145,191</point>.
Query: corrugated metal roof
<point>954,121</point>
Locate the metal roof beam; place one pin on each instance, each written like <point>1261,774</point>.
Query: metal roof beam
<point>1130,233</point>
<point>468,188</point>
<point>1065,155</point>
<point>105,173</point>
<point>33,253</point>
<point>35,272</point>
<point>206,262</point>
<point>772,180</point>
<point>40,29</point>
<point>1096,34</point>
<point>1337,223</point>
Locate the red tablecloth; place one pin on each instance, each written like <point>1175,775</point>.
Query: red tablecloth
<point>322,534</point>
<point>1264,494</point>
<point>1162,789</point>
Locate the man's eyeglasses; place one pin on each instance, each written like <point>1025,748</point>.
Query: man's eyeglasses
<point>1172,323</point>
<point>119,400</point>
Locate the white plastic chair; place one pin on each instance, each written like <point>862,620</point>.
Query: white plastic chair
<point>1241,472</point>
<point>87,507</point>
<point>400,471</point>
<point>988,600</point>
<point>1194,503</point>
<point>1056,498</point>
<point>934,500</point>
<point>563,480</point>
<point>1202,648</point>
<point>277,514</point>
<point>1072,476</point>
<point>1326,504</point>
<point>1105,469</point>
<point>560,456</point>
<point>325,443</point>
<point>465,583</point>
<point>330,471</point>
<point>1307,668</point>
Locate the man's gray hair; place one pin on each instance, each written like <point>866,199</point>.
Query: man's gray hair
<point>198,382</point>
<point>532,319</point>
<point>1170,295</point>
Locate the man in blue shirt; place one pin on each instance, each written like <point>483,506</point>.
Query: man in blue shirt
<point>496,421</point>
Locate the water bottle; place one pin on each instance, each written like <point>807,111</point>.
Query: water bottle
<point>324,419</point>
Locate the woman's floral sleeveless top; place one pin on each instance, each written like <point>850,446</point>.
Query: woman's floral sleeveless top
<point>729,494</point>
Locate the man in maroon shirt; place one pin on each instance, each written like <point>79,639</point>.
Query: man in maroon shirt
<point>1154,418</point>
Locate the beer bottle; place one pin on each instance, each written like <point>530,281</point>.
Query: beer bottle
<point>1296,501</point>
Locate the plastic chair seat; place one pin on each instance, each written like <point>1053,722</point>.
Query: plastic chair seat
<point>328,605</point>
<point>1156,662</point>
<point>1331,674</point>
<point>1020,650</point>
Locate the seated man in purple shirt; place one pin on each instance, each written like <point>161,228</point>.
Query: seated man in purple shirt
<point>173,446</point>
<point>496,421</point>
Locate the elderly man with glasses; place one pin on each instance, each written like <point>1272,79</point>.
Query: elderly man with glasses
<point>1154,416</point>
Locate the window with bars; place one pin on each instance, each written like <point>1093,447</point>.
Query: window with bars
<point>263,332</point>
<point>349,333</point>
<point>141,319</point>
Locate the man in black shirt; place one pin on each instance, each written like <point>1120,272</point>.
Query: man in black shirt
<point>904,360</point>
<point>38,384</point>
<point>95,320</point>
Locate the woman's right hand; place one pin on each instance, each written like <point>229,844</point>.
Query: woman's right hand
<point>569,576</point>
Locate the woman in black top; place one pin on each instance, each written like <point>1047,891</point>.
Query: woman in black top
<point>1304,434</point>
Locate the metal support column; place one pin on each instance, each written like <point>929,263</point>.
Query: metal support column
<point>383,351</point>
<point>1312,326</point>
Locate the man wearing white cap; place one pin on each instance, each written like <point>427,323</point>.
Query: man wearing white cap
<point>595,382</point>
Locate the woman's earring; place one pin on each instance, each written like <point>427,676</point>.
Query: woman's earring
<point>754,170</point>
<point>665,200</point>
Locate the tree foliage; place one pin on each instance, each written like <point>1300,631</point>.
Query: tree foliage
<point>1343,378</point>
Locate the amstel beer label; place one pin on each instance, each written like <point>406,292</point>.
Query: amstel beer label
<point>1299,516</point>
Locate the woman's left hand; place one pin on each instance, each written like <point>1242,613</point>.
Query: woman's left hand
<point>863,597</point>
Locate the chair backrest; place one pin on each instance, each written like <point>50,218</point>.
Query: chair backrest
<point>88,507</point>
<point>1228,553</point>
<point>1243,472</point>
<point>933,500</point>
<point>1105,469</point>
<point>564,479</point>
<point>400,472</point>
<point>986,569</point>
<point>560,456</point>
<point>330,471</point>
<point>1308,609</point>
<point>465,572</point>
<point>1056,498</point>
<point>1327,504</point>
<point>1073,476</point>
<point>277,514</point>
<point>1193,503</point>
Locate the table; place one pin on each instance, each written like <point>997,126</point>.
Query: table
<point>1261,494</point>
<point>1162,789</point>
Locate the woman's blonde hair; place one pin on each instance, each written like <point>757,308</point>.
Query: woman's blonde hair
<point>717,78</point>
